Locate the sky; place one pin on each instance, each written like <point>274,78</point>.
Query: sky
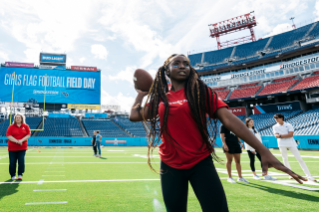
<point>120,36</point>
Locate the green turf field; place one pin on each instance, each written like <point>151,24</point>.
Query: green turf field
<point>121,181</point>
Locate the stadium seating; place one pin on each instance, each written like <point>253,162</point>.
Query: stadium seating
<point>223,94</point>
<point>195,58</point>
<point>135,128</point>
<point>308,82</point>
<point>3,127</point>
<point>250,49</point>
<point>244,92</point>
<point>33,122</point>
<point>107,128</point>
<point>288,38</point>
<point>315,31</point>
<point>266,120</point>
<point>217,56</point>
<point>54,127</point>
<point>278,87</point>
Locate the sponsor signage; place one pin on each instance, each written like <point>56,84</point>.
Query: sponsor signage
<point>58,87</point>
<point>242,74</point>
<point>83,107</point>
<point>313,141</point>
<point>52,67</point>
<point>238,111</point>
<point>48,58</point>
<point>95,115</point>
<point>83,68</point>
<point>111,107</point>
<point>260,109</point>
<point>19,65</point>
<point>300,62</point>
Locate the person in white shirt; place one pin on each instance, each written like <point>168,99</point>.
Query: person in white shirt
<point>284,132</point>
<point>252,152</point>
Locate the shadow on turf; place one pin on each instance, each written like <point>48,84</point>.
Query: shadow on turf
<point>291,194</point>
<point>7,189</point>
<point>103,158</point>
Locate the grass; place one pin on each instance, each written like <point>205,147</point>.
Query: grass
<point>89,190</point>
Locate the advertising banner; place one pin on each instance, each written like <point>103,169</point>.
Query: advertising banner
<point>68,87</point>
<point>313,59</point>
<point>83,68</point>
<point>52,67</point>
<point>48,58</point>
<point>84,107</point>
<point>19,65</point>
<point>238,111</point>
<point>260,109</point>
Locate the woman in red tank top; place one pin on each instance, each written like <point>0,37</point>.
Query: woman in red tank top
<point>187,114</point>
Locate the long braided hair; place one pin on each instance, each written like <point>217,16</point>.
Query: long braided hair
<point>201,99</point>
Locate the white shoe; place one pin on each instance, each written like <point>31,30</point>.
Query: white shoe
<point>13,178</point>
<point>311,179</point>
<point>268,177</point>
<point>243,180</point>
<point>256,177</point>
<point>290,177</point>
<point>231,180</point>
<point>19,177</point>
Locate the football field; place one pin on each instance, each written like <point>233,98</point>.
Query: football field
<point>71,179</point>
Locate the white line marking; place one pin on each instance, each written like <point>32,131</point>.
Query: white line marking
<point>292,185</point>
<point>51,190</point>
<point>303,156</point>
<point>40,182</point>
<point>45,203</point>
<point>53,175</point>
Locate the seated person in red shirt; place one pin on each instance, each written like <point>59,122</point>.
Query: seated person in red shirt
<point>18,134</point>
<point>186,150</point>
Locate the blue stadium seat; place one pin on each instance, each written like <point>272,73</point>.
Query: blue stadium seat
<point>217,56</point>
<point>250,49</point>
<point>195,58</point>
<point>135,128</point>
<point>107,128</point>
<point>55,127</point>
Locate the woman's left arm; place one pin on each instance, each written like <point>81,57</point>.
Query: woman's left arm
<point>268,159</point>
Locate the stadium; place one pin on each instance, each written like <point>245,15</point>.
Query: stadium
<point>62,106</point>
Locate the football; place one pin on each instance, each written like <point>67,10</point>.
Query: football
<point>142,80</point>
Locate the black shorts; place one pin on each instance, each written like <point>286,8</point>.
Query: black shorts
<point>233,147</point>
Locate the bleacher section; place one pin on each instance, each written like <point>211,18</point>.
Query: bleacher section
<point>135,128</point>
<point>222,92</point>
<point>281,43</point>
<point>304,124</point>
<point>107,128</point>
<point>244,91</point>
<point>33,122</point>
<point>308,82</point>
<point>3,127</point>
<point>278,86</point>
<point>61,127</point>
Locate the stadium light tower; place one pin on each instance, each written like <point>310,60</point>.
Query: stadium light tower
<point>293,24</point>
<point>239,23</point>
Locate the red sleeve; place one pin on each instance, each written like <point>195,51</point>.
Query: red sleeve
<point>28,129</point>
<point>212,106</point>
<point>9,131</point>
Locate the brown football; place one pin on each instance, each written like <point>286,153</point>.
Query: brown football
<point>142,80</point>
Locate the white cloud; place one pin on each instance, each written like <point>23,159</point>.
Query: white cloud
<point>4,56</point>
<point>126,75</point>
<point>99,51</point>
<point>125,102</point>
<point>316,12</point>
<point>280,28</point>
<point>82,59</point>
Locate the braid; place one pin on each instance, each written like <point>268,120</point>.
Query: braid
<point>201,100</point>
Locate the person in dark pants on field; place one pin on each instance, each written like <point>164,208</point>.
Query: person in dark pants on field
<point>94,143</point>
<point>98,142</point>
<point>186,151</point>
<point>18,134</point>
<point>252,152</point>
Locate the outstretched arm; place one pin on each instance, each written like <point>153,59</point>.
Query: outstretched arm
<point>268,159</point>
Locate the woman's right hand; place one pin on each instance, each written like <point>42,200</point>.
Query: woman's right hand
<point>141,93</point>
<point>225,147</point>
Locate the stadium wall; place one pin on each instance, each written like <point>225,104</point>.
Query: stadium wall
<point>306,141</point>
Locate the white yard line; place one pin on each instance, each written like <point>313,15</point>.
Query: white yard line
<point>51,190</point>
<point>40,182</point>
<point>45,203</point>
